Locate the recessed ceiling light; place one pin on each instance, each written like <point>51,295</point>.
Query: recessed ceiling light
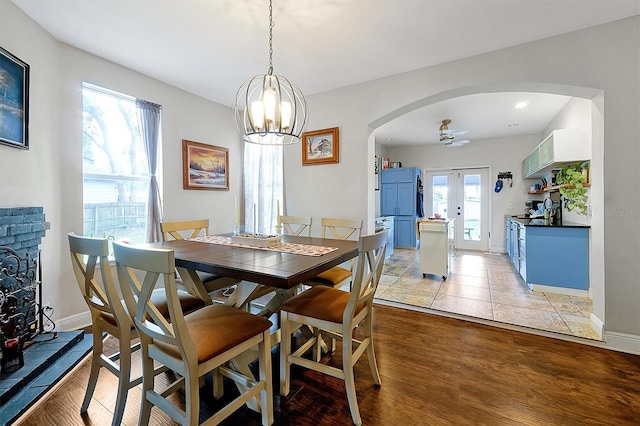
<point>388,139</point>
<point>520,105</point>
<point>512,125</point>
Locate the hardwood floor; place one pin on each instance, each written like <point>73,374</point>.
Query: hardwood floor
<point>435,371</point>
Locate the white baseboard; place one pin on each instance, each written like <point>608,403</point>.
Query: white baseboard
<point>559,290</point>
<point>596,325</point>
<point>74,322</point>
<point>622,342</point>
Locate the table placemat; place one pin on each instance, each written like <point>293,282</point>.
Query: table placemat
<point>303,249</point>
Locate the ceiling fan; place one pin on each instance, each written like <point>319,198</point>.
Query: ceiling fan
<point>448,135</point>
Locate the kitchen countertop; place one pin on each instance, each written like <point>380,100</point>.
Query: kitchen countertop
<point>436,220</point>
<point>527,221</point>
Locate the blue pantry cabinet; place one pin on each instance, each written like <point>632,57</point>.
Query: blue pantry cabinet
<point>399,191</point>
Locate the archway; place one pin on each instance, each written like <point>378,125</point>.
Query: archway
<point>596,98</point>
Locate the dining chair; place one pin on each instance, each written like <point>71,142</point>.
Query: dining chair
<point>185,229</point>
<point>190,345</point>
<point>337,313</point>
<point>296,225</point>
<point>109,315</point>
<point>341,229</point>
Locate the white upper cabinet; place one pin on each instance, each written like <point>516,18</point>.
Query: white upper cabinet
<point>562,146</point>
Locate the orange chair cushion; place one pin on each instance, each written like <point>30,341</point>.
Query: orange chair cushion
<point>205,277</point>
<point>112,319</point>
<point>215,329</point>
<point>323,303</point>
<point>188,302</point>
<point>332,277</point>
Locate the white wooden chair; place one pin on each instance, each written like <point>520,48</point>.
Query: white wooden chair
<point>341,229</point>
<point>190,345</point>
<point>296,225</point>
<point>108,314</point>
<point>337,313</point>
<point>185,229</point>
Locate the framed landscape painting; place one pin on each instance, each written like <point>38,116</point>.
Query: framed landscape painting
<point>204,166</point>
<point>14,101</point>
<point>320,147</point>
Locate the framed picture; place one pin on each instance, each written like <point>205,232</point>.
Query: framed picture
<point>376,165</point>
<point>204,166</point>
<point>320,147</point>
<point>14,101</point>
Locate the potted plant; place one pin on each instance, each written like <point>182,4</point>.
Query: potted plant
<point>572,179</point>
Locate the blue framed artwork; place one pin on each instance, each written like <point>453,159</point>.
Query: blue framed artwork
<point>14,101</point>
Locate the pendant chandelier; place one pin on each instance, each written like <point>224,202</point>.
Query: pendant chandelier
<point>269,109</point>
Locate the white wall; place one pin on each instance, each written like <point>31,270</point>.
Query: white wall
<point>570,64</point>
<point>575,64</point>
<point>50,173</point>
<point>499,155</point>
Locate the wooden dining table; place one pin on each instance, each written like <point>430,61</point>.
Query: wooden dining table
<point>258,271</point>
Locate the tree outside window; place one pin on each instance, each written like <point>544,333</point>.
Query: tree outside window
<point>115,170</point>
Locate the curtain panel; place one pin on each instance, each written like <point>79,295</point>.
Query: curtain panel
<point>262,187</point>
<point>149,121</point>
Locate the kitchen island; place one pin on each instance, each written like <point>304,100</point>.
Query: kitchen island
<point>436,245</point>
<point>551,257</point>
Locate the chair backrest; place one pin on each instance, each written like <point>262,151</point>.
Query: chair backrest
<point>295,225</point>
<point>341,229</point>
<point>156,268</point>
<point>87,254</point>
<point>179,229</point>
<point>371,249</point>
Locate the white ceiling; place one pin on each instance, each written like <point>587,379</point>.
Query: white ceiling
<point>209,47</point>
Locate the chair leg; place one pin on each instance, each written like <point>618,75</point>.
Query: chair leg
<point>371,355</point>
<point>148,379</point>
<point>317,346</point>
<point>264,349</point>
<point>192,396</point>
<point>124,379</point>
<point>95,369</point>
<point>218,388</point>
<point>349,378</point>
<point>285,350</point>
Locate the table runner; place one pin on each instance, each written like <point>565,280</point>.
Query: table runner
<point>303,249</point>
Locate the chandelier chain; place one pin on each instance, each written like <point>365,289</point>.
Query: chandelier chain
<point>270,37</point>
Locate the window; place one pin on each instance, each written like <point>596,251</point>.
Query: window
<point>263,187</point>
<point>115,167</point>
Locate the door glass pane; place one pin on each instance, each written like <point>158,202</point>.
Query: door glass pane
<point>472,208</point>
<point>440,185</point>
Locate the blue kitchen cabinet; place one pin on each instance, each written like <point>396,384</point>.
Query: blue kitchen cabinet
<point>399,198</point>
<point>549,257</point>
<point>555,256</point>
<point>405,234</point>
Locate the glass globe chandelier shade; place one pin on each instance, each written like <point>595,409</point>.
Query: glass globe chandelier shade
<point>270,110</point>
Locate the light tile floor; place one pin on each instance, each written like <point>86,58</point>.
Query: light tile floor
<point>483,285</point>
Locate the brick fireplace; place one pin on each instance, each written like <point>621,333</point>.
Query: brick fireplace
<point>21,313</point>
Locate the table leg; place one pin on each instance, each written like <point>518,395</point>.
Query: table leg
<point>193,284</point>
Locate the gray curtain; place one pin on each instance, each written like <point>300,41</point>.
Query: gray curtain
<point>149,117</point>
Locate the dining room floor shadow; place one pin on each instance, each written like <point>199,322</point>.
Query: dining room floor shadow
<point>486,286</point>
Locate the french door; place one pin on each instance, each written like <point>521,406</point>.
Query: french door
<point>462,194</point>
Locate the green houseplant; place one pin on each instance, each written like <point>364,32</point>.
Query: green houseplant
<point>572,180</point>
